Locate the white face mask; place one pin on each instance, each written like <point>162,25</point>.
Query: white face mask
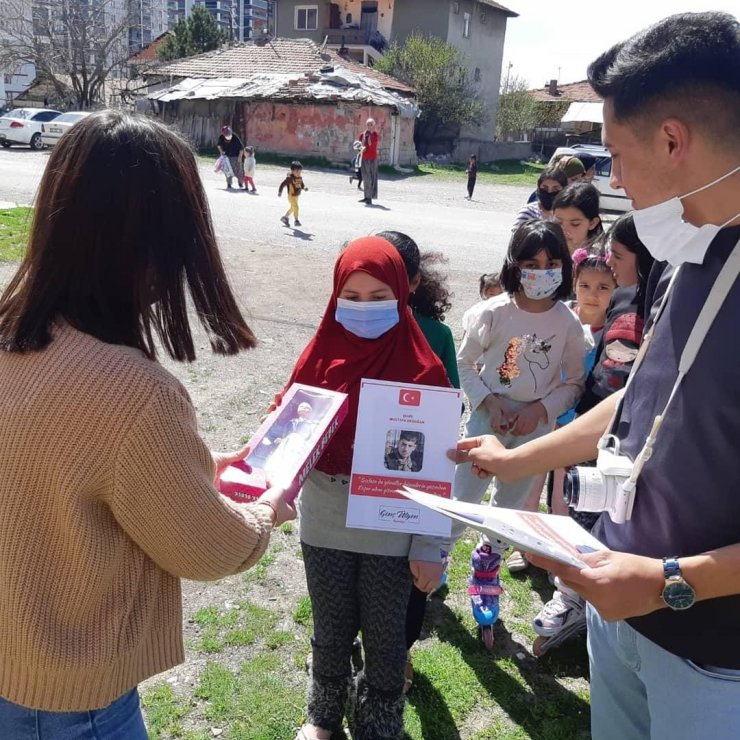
<point>668,237</point>
<point>539,284</point>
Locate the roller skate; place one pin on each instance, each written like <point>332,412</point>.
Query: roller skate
<point>560,619</point>
<point>484,588</point>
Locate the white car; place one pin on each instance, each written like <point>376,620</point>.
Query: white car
<point>611,199</point>
<point>23,126</point>
<point>51,132</point>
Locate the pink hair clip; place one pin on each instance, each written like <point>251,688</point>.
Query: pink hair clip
<point>579,256</point>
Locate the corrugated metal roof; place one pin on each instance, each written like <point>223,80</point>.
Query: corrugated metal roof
<point>294,57</point>
<point>279,56</point>
<point>336,84</point>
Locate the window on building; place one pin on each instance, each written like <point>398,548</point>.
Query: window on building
<point>306,17</point>
<point>466,25</point>
<point>455,8</point>
<point>477,74</point>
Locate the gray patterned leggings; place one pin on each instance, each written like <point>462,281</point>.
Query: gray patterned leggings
<point>351,592</point>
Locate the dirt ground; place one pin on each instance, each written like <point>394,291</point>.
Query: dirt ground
<point>282,278</point>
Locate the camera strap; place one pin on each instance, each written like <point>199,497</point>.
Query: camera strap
<point>709,311</point>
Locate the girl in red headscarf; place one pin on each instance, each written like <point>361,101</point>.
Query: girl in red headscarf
<point>360,579</point>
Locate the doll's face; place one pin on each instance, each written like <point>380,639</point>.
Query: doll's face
<point>618,351</point>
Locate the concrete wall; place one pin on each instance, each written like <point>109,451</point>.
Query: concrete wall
<point>490,151</point>
<point>293,129</point>
<point>484,51</point>
<point>427,16</point>
<point>286,20</point>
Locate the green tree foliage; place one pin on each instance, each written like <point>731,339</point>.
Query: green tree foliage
<point>196,34</point>
<point>444,90</point>
<point>519,113</point>
<point>517,109</point>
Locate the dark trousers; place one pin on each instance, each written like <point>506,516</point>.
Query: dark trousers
<point>352,592</point>
<point>369,170</point>
<point>471,186</point>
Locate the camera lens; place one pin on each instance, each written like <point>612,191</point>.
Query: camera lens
<point>572,487</point>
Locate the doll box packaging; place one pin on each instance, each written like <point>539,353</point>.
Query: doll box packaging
<point>287,445</point>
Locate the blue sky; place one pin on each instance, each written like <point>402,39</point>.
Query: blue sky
<point>556,39</point>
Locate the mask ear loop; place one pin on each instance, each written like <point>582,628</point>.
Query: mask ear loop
<point>711,184</point>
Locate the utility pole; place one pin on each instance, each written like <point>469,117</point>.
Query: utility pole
<point>508,73</point>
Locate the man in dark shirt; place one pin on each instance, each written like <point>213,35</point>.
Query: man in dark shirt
<point>664,599</point>
<point>230,145</point>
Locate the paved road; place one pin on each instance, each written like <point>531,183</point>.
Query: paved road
<point>283,276</point>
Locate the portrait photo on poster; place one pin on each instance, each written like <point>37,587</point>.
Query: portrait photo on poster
<point>404,450</point>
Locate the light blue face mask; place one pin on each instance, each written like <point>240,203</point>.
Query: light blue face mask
<point>367,319</point>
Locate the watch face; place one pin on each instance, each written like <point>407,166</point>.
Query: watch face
<point>679,595</point>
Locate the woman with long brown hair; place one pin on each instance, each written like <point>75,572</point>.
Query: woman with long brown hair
<point>106,489</point>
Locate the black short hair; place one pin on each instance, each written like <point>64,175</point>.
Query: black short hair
<point>407,248</point>
<point>409,437</point>
<point>685,66</point>
<point>587,160</point>
<point>432,296</point>
<point>529,239</point>
<point>584,197</point>
<point>296,165</point>
<point>553,173</point>
<point>121,228</point>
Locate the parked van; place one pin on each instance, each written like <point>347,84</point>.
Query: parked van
<point>611,199</point>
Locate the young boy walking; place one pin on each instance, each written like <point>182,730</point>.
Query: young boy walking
<point>295,185</point>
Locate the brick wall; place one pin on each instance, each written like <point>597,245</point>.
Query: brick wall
<point>321,130</point>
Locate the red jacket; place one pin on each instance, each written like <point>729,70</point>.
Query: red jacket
<point>370,142</point>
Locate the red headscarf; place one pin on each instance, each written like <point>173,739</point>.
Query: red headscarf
<point>337,359</point>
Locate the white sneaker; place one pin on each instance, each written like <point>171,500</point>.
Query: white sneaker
<point>561,610</point>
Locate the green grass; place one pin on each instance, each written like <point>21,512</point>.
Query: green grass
<point>302,614</point>
<point>286,528</point>
<point>164,712</point>
<point>256,703</point>
<point>259,571</point>
<point>501,172</point>
<point>460,689</point>
<point>244,624</point>
<point>15,224</point>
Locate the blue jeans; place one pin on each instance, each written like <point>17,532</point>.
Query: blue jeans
<point>120,720</point>
<point>639,691</point>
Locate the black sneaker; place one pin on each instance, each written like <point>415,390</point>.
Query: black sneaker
<point>297,222</point>
<point>285,221</point>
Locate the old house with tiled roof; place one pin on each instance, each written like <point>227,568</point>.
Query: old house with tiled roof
<point>285,96</point>
<point>568,113</point>
<point>364,28</point>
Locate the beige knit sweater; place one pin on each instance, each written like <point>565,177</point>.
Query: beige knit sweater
<point>106,501</point>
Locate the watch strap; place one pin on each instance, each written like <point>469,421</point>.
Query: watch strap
<point>671,567</point>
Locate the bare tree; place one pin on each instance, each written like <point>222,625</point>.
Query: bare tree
<point>75,45</point>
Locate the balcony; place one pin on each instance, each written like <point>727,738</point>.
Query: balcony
<point>346,36</point>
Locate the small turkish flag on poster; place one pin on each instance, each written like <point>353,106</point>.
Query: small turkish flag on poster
<point>409,398</point>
